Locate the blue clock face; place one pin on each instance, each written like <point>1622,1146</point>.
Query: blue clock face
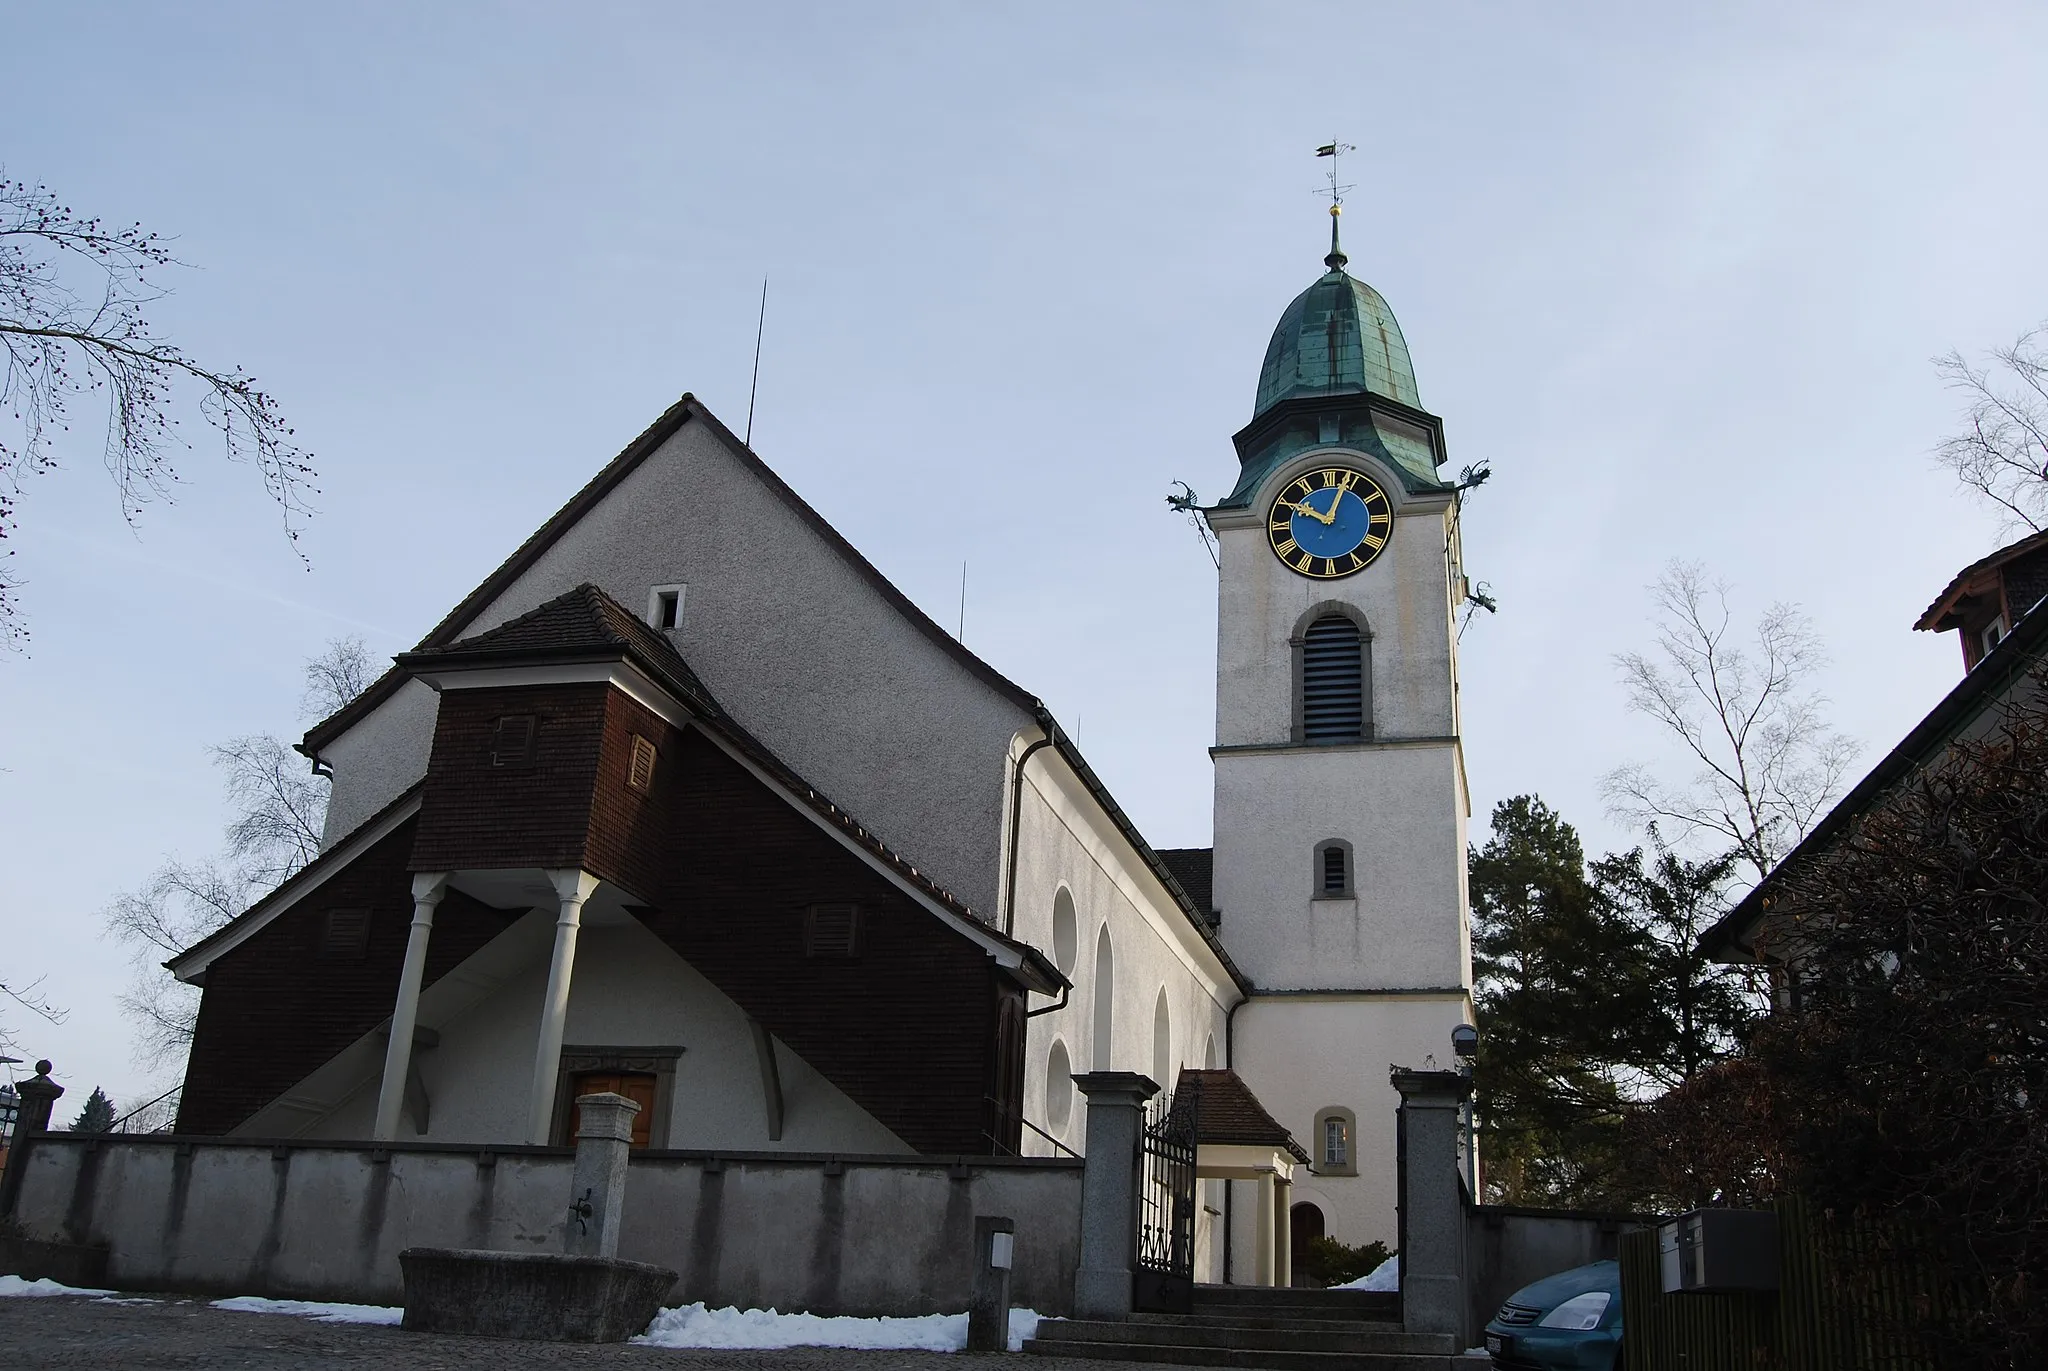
<point>1329,523</point>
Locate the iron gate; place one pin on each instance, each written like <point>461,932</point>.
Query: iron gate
<point>1164,1280</point>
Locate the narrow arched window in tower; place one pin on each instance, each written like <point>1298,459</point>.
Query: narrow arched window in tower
<point>1333,681</point>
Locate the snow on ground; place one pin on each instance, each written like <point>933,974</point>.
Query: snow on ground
<point>693,1325</point>
<point>313,1309</point>
<point>1385,1276</point>
<point>15,1286</point>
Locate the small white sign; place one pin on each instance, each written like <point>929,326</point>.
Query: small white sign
<point>1001,1250</point>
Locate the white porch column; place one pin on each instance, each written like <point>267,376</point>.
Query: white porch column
<point>427,889</point>
<point>1264,1231</point>
<point>1283,1231</point>
<point>572,888</point>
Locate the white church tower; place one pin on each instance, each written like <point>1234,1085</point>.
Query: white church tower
<point>1341,804</point>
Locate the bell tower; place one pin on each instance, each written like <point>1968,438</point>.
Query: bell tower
<point>1341,807</point>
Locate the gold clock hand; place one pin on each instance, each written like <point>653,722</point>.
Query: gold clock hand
<point>1327,519</point>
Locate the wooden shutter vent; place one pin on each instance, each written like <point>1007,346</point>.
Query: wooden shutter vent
<point>512,740</point>
<point>1332,681</point>
<point>832,931</point>
<point>640,770</point>
<point>1333,870</point>
<point>346,935</point>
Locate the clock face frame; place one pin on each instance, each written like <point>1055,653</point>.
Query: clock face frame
<point>1329,522</point>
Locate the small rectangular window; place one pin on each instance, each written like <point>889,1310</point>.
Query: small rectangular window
<point>512,740</point>
<point>640,769</point>
<point>832,931</point>
<point>345,936</point>
<point>665,607</point>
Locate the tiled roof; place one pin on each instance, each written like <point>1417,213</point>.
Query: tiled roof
<point>580,622</point>
<point>1226,1111</point>
<point>1932,617</point>
<point>1194,868</point>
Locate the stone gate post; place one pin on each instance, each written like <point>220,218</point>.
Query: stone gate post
<point>1109,1191</point>
<point>1433,1297</point>
<point>38,1096</point>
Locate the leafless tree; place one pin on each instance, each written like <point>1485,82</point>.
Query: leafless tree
<point>279,810</point>
<point>31,998</point>
<point>73,295</point>
<point>1765,761</point>
<point>2002,454</point>
<point>335,677</point>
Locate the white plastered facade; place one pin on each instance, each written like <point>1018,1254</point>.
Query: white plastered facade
<point>815,661</point>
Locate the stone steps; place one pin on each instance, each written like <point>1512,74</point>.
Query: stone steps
<point>1279,1321</point>
<point>1298,1303</point>
<point>1183,1355</point>
<point>1164,1331</point>
<point>1251,1327</point>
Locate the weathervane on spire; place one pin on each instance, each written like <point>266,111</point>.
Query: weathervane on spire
<point>1336,260</point>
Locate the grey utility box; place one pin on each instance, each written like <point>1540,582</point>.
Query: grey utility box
<point>1719,1250</point>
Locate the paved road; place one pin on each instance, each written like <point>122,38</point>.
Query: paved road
<point>162,1335</point>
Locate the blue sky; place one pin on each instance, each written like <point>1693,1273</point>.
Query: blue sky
<point>1675,272</point>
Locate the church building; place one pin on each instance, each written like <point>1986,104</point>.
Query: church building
<point>758,844</point>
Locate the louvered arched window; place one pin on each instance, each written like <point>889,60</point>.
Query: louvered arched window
<point>1333,681</point>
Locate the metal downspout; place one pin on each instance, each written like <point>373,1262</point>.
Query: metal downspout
<point>1229,1060</point>
<point>1017,828</point>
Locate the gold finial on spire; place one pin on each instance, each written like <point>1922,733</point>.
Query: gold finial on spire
<point>1334,150</point>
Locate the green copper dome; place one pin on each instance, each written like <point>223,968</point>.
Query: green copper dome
<point>1337,338</point>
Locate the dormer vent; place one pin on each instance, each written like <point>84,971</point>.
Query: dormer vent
<point>512,740</point>
<point>640,769</point>
<point>832,931</point>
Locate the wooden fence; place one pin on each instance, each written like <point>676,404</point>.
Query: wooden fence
<point>1855,1295</point>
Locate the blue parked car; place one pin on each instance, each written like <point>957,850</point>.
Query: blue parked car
<point>1567,1322</point>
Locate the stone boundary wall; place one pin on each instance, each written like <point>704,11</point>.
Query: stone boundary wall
<point>1507,1247</point>
<point>792,1231</point>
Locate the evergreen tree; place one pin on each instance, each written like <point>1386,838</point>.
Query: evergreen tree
<point>1694,1010</point>
<point>1561,984</point>
<point>97,1115</point>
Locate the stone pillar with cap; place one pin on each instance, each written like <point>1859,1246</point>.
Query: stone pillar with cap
<point>1109,1191</point>
<point>1432,1200</point>
<point>604,1138</point>
<point>39,1095</point>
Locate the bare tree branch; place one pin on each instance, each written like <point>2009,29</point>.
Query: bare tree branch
<point>1766,764</point>
<point>2002,454</point>
<point>280,807</point>
<point>279,811</point>
<point>336,677</point>
<point>72,295</point>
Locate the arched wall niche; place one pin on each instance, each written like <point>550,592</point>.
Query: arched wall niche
<point>1101,1057</point>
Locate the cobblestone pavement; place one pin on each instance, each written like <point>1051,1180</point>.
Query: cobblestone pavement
<point>177,1333</point>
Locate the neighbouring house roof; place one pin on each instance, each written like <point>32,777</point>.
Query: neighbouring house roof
<point>1195,869</point>
<point>1227,1112</point>
<point>587,624</point>
<point>684,411</point>
<point>1987,684</point>
<point>1936,616</point>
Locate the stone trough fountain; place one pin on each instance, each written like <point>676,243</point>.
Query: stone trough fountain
<point>585,1293</point>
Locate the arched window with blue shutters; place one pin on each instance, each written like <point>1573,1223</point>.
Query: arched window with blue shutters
<point>1334,702</point>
